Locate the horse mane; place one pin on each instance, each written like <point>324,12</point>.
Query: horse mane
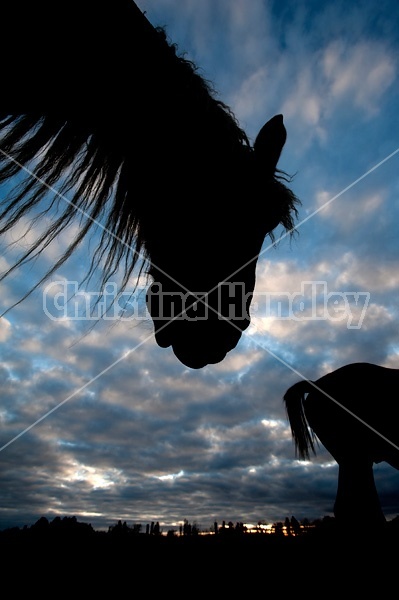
<point>73,157</point>
<point>304,437</point>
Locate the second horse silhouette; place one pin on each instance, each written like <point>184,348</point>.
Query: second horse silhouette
<point>353,411</point>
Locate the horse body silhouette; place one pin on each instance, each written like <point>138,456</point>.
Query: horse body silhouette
<point>354,413</point>
<point>125,134</point>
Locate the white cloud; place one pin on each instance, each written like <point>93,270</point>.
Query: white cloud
<point>350,215</point>
<point>5,329</point>
<point>377,318</point>
<point>304,102</point>
<point>360,73</point>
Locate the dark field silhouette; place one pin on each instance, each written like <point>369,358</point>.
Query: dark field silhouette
<point>124,558</point>
<point>288,533</point>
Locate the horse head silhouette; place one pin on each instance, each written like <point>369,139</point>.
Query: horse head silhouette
<point>130,138</point>
<point>200,303</point>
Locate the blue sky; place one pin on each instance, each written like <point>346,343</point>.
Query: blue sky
<point>101,423</point>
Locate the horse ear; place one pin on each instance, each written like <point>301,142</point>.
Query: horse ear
<point>270,141</point>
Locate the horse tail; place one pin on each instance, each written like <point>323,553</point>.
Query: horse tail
<point>302,434</point>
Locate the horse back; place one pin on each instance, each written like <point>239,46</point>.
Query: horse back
<point>356,408</point>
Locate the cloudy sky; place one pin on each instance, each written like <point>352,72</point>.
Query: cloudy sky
<point>99,422</point>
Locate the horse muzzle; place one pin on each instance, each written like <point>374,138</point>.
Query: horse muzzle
<point>202,329</point>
